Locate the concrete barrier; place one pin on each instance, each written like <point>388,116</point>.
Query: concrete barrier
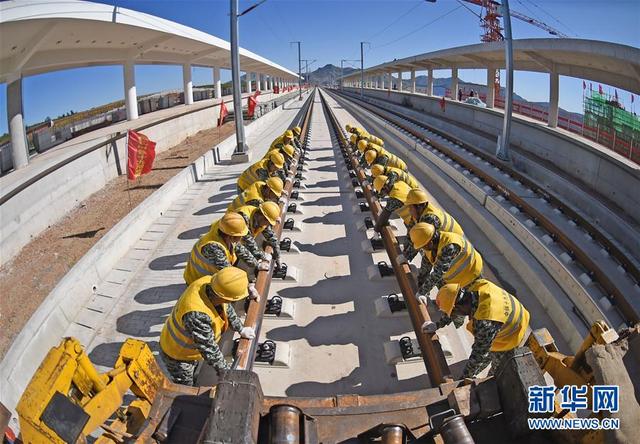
<point>57,312</point>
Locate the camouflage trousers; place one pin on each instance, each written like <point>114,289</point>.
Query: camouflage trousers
<point>180,372</point>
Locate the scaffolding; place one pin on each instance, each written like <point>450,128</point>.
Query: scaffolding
<point>608,123</point>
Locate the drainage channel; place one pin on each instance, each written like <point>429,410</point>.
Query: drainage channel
<point>599,286</point>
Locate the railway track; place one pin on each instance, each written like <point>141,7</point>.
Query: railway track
<point>598,278</point>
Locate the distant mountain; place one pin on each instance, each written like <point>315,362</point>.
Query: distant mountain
<point>328,74</point>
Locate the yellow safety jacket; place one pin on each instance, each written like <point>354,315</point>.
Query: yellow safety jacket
<point>198,265</point>
<point>175,341</point>
<point>277,140</point>
<point>253,192</point>
<point>248,211</point>
<point>447,223</point>
<point>392,160</point>
<point>466,267</point>
<point>495,304</point>
<point>250,175</point>
<point>403,176</point>
<point>276,149</point>
<point>399,191</point>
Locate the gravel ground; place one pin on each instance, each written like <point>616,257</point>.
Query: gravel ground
<point>34,272</point>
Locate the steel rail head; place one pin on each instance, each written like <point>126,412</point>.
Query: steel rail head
<point>430,347</point>
<point>624,305</point>
<point>247,347</point>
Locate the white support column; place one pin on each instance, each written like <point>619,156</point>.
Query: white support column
<point>217,83</point>
<point>430,82</point>
<point>247,81</point>
<point>390,82</point>
<point>258,82</point>
<point>399,80</point>
<point>554,95</point>
<point>413,81</point>
<point>187,84</point>
<point>454,83</point>
<point>19,149</point>
<point>130,95</point>
<point>491,91</point>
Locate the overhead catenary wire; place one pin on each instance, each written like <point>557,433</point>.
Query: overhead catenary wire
<point>554,18</point>
<point>395,21</point>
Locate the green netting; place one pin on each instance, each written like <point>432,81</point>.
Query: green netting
<point>607,115</point>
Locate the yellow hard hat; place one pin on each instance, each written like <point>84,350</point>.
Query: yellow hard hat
<point>421,234</point>
<point>276,185</point>
<point>288,134</point>
<point>277,159</point>
<point>370,156</point>
<point>297,130</point>
<point>362,145</point>
<point>446,297</point>
<point>353,138</point>
<point>270,210</point>
<point>233,224</point>
<point>376,140</point>
<point>289,150</point>
<point>348,127</point>
<point>379,182</point>
<point>375,147</point>
<point>416,196</point>
<point>376,170</point>
<point>230,284</point>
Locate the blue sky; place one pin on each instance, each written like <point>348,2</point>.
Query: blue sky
<point>330,31</point>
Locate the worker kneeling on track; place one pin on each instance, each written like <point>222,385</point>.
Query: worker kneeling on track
<point>270,190</point>
<point>262,170</point>
<point>261,220</point>
<point>397,192</point>
<point>377,170</point>
<point>447,258</point>
<point>221,248</point>
<point>376,155</point>
<point>202,314</point>
<point>497,320</point>
<point>287,151</point>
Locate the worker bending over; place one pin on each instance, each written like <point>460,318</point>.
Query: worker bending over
<point>288,152</point>
<point>376,155</point>
<point>260,220</point>
<point>221,248</point>
<point>202,314</point>
<point>270,190</point>
<point>262,170</point>
<point>497,321</point>
<point>397,192</point>
<point>448,258</point>
<point>377,170</point>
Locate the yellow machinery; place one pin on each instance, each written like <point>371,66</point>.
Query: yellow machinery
<point>67,398</point>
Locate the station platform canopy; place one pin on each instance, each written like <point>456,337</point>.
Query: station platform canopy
<point>610,63</point>
<point>42,36</point>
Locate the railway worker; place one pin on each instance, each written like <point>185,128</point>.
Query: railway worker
<point>376,155</point>
<point>397,192</point>
<point>202,314</point>
<point>497,320</point>
<point>270,190</point>
<point>297,133</point>
<point>260,220</point>
<point>285,139</point>
<point>262,170</point>
<point>422,210</point>
<point>287,151</point>
<point>221,248</point>
<point>377,170</point>
<point>448,258</point>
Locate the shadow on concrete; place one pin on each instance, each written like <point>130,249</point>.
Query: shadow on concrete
<point>330,248</point>
<point>84,234</point>
<point>169,262</point>
<point>160,295</point>
<point>107,353</point>
<point>327,168</point>
<point>324,159</point>
<point>194,233</point>
<point>229,186</point>
<point>147,187</point>
<point>212,209</point>
<point>325,184</point>
<point>222,196</point>
<point>328,201</point>
<point>332,218</point>
<point>140,322</point>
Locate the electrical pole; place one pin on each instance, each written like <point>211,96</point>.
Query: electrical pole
<point>241,148</point>
<point>362,68</point>
<point>503,144</point>
<point>307,63</point>
<point>299,71</point>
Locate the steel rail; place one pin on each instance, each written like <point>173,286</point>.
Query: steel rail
<point>246,350</point>
<point>430,347</point>
<point>119,135</point>
<point>627,310</point>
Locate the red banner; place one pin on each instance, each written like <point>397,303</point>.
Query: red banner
<point>140,154</point>
<point>251,107</point>
<point>224,112</point>
<point>276,89</point>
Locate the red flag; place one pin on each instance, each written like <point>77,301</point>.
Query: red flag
<point>443,103</point>
<point>224,112</point>
<point>600,90</point>
<point>140,153</point>
<point>584,85</point>
<point>251,107</point>
<point>276,89</point>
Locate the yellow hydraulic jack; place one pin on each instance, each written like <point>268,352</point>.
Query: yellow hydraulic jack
<point>67,398</point>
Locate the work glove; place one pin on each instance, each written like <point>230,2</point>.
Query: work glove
<point>285,193</point>
<point>422,298</point>
<point>268,257</point>
<point>278,220</point>
<point>288,179</point>
<point>365,183</point>
<point>282,200</point>
<point>429,327</point>
<point>247,333</point>
<point>253,293</point>
<point>263,265</point>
